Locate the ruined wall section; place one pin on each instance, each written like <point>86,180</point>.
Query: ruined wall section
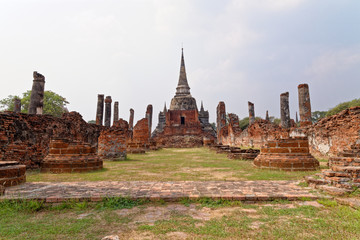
<point>334,134</point>
<point>231,131</point>
<point>113,141</point>
<point>25,138</point>
<point>259,133</point>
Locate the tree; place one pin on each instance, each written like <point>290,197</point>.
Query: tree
<point>342,106</point>
<point>244,123</point>
<point>317,115</point>
<point>54,104</point>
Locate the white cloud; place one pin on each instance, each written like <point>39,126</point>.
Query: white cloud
<point>334,62</point>
<point>270,5</point>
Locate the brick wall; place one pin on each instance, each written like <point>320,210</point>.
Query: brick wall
<point>25,138</point>
<point>113,141</point>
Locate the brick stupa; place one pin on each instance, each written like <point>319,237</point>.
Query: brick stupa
<point>183,125</point>
<point>67,156</point>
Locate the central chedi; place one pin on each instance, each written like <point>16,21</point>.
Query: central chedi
<point>183,125</point>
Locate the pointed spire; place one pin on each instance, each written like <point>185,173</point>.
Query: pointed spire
<point>165,110</point>
<point>183,86</point>
<point>202,107</point>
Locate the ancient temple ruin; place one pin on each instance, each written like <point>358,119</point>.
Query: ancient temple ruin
<point>183,125</point>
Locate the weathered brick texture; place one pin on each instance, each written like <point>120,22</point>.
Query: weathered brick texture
<point>25,138</point>
<point>67,156</point>
<point>11,174</point>
<point>290,154</point>
<point>334,134</point>
<point>113,141</point>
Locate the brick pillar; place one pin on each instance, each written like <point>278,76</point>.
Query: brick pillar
<point>116,112</point>
<point>285,111</point>
<point>251,113</point>
<point>220,120</point>
<point>304,105</point>
<point>148,115</point>
<point>267,116</point>
<point>100,110</point>
<point>37,94</point>
<point>108,101</point>
<point>17,105</point>
<point>131,119</point>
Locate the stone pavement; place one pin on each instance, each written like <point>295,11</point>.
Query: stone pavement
<point>168,191</point>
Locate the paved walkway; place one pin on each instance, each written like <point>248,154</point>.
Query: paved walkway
<point>168,191</point>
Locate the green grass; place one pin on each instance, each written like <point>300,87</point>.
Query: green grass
<point>208,219</point>
<point>178,164</point>
<point>268,222</point>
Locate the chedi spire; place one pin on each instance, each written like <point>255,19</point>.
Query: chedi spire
<point>183,88</point>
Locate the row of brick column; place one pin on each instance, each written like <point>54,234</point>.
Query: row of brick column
<point>304,108</point>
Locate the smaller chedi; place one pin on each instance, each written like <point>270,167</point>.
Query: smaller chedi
<point>67,156</point>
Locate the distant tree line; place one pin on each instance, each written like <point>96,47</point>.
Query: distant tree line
<point>317,115</point>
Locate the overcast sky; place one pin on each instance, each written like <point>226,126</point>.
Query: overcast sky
<point>235,51</point>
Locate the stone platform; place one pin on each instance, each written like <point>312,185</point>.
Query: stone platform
<point>66,156</point>
<point>11,173</point>
<point>290,154</point>
<point>168,191</point>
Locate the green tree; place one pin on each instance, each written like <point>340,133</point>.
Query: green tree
<point>244,123</point>
<point>54,104</point>
<point>342,106</point>
<point>317,115</point>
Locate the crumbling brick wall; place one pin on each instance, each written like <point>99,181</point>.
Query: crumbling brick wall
<point>327,137</point>
<point>113,141</point>
<point>25,137</point>
<point>231,131</point>
<point>334,134</point>
<point>259,133</point>
<point>140,136</point>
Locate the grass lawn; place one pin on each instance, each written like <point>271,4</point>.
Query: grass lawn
<point>173,165</point>
<point>203,219</point>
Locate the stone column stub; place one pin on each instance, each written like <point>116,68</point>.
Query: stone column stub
<point>116,112</point>
<point>285,111</point>
<point>100,110</point>
<point>37,94</point>
<point>17,105</point>
<point>148,115</point>
<point>108,102</point>
<point>267,118</point>
<point>131,119</point>
<point>304,105</point>
<point>251,113</point>
<point>220,120</point>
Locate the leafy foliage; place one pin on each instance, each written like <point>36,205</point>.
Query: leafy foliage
<point>54,104</point>
<point>317,115</point>
<point>342,106</point>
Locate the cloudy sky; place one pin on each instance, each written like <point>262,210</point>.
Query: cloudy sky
<point>235,51</point>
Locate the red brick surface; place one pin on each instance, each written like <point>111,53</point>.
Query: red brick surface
<point>11,174</point>
<point>68,156</point>
<point>113,141</point>
<point>25,138</point>
<point>287,155</point>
